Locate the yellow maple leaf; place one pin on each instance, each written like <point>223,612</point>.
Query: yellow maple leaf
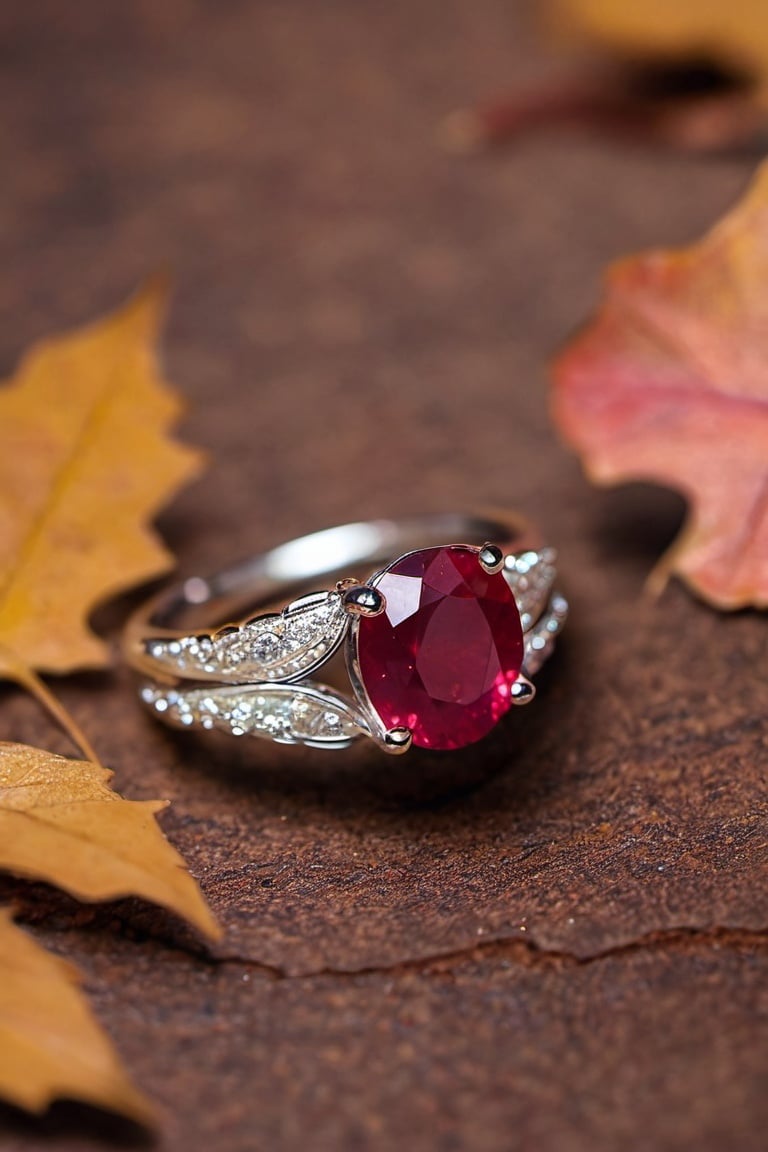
<point>86,461</point>
<point>59,822</point>
<point>50,1044</point>
<point>732,31</point>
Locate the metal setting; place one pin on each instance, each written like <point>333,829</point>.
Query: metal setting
<point>522,691</point>
<point>363,600</point>
<point>397,740</point>
<point>491,558</point>
<point>257,677</point>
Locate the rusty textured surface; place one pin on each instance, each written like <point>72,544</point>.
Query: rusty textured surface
<point>558,939</point>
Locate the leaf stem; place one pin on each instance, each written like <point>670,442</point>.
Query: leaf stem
<point>12,666</point>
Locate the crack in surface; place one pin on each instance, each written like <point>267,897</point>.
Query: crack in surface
<point>523,953</point>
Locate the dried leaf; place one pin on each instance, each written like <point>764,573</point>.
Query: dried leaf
<point>688,74</point>
<point>60,822</point>
<point>682,109</point>
<point>734,32</point>
<point>85,463</point>
<point>50,1044</point>
<point>704,78</point>
<point>669,384</point>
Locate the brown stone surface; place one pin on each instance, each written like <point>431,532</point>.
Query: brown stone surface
<point>494,1050</point>
<point>557,939</point>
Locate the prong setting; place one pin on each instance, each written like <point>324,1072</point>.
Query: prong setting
<point>363,600</point>
<point>491,558</point>
<point>397,741</point>
<point>522,691</point>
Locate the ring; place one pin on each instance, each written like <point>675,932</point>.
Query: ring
<point>431,650</point>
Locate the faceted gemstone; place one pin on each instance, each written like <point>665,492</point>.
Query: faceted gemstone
<point>443,655</point>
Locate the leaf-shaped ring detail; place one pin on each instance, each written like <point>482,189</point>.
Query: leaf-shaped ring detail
<point>274,648</point>
<point>308,714</point>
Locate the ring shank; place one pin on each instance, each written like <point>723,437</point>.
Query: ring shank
<point>351,550</point>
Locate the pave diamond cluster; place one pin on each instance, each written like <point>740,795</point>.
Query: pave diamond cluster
<point>274,647</point>
<point>285,713</point>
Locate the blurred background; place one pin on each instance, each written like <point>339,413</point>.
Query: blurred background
<point>355,302</point>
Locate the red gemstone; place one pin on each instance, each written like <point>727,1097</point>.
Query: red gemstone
<point>442,657</point>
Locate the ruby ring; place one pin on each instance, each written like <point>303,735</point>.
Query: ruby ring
<point>431,650</point>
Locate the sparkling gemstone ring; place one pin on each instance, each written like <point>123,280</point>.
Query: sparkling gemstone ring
<point>431,651</point>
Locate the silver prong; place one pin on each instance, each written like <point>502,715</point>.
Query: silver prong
<point>363,600</point>
<point>397,740</point>
<point>491,558</point>
<point>522,691</point>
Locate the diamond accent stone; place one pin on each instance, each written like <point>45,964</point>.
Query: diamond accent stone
<point>531,576</point>
<point>540,640</point>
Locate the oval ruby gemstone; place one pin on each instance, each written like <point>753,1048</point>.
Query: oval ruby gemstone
<point>443,655</point>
